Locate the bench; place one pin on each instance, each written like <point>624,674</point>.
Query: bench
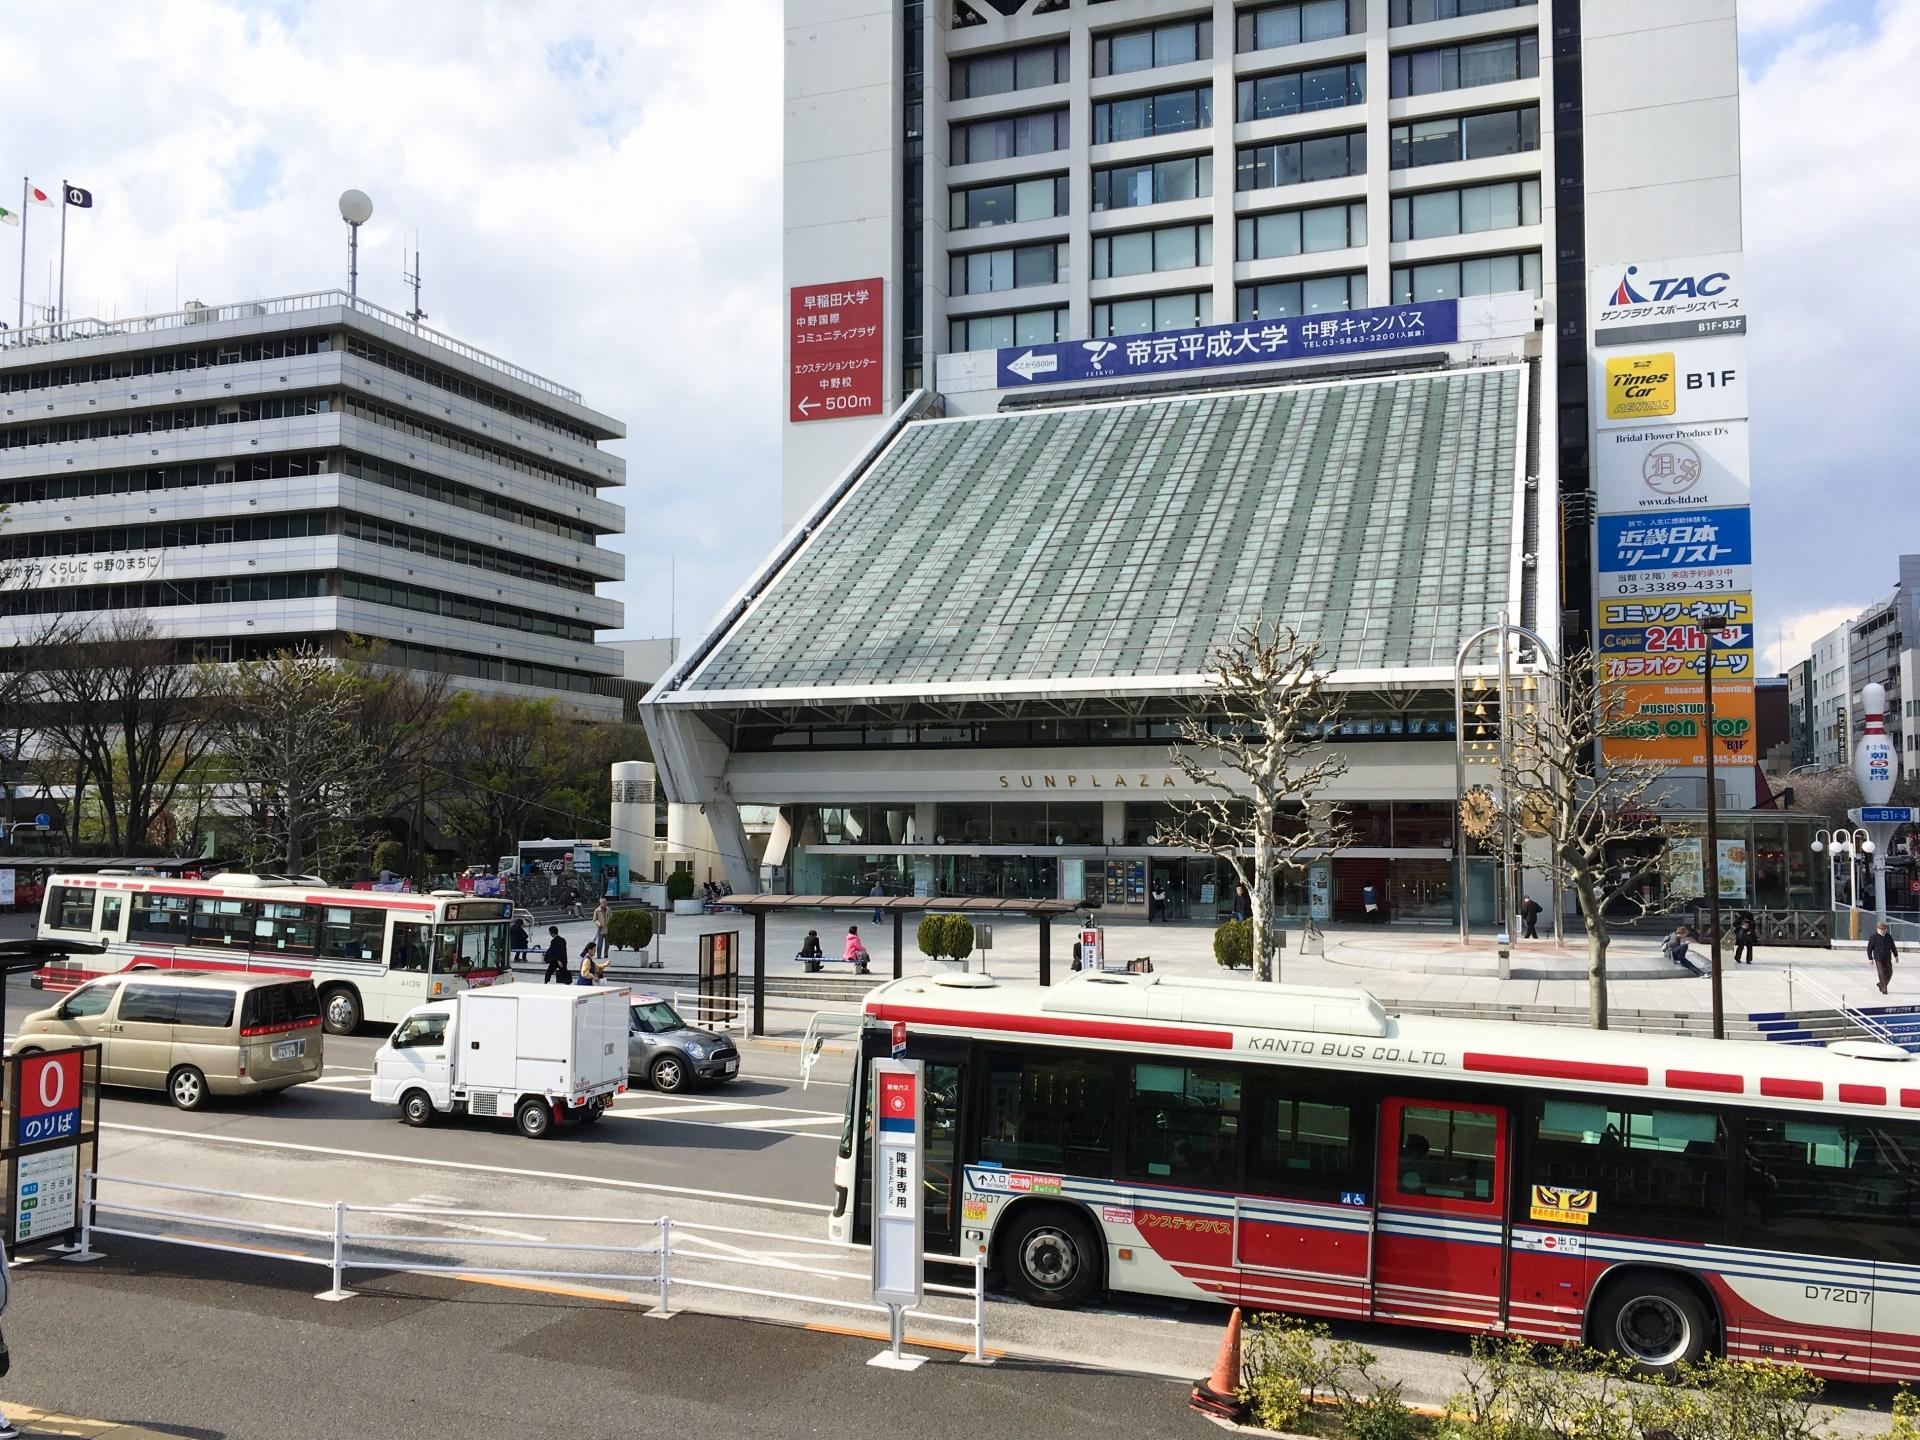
<point>812,963</point>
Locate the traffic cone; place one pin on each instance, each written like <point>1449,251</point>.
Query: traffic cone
<point>1219,1393</point>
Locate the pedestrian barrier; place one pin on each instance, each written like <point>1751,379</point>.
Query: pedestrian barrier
<point>677,1255</point>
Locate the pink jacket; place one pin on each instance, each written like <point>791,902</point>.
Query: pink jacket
<point>855,950</point>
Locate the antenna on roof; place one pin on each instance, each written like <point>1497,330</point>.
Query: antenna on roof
<point>416,314</point>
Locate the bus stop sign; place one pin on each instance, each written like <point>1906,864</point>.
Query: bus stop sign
<point>898,1241</point>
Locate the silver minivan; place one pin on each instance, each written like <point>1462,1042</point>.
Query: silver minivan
<point>190,1034</point>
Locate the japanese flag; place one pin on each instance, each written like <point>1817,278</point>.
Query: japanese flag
<point>38,196</point>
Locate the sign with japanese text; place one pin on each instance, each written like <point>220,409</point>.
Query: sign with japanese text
<point>1641,301</point>
<point>1665,723</point>
<point>1250,342</point>
<point>1669,639</point>
<point>49,1096</point>
<point>52,1109</point>
<point>898,1139</point>
<point>50,572</point>
<point>1676,540</point>
<point>836,347</point>
<point>1650,468</point>
<point>1684,867</point>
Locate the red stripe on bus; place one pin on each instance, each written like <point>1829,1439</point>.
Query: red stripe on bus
<point>1910,1099</point>
<point>1862,1094</point>
<point>1792,1089</point>
<point>1706,1080</point>
<point>188,963</point>
<point>1555,1069</point>
<point>368,904</point>
<point>1079,1029</point>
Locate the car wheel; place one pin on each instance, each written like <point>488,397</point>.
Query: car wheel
<point>341,1009</point>
<point>1050,1257</point>
<point>669,1074</point>
<point>535,1118</point>
<point>1656,1321</point>
<point>187,1088</point>
<point>416,1109</point>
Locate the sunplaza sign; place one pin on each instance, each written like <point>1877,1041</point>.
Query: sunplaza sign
<point>1334,335</point>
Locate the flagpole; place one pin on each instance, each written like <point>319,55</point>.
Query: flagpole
<point>60,304</point>
<point>20,320</point>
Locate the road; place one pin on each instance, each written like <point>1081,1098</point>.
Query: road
<point>755,1155</point>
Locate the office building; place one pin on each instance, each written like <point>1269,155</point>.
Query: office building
<point>255,476</point>
<point>1115,325</point>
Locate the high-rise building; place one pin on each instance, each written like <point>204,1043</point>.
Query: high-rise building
<point>303,470</point>
<point>1829,703</point>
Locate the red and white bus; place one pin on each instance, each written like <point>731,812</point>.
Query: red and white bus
<point>1299,1149</point>
<point>373,955</point>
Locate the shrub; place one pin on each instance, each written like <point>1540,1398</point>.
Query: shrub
<point>389,855</point>
<point>959,942</point>
<point>1734,1400</point>
<point>1233,945</point>
<point>943,937</point>
<point>630,930</point>
<point>680,885</point>
<point>1516,1390</point>
<point>1906,1416</point>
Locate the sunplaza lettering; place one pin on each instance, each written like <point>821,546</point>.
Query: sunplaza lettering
<point>1346,1050</point>
<point>1258,342</point>
<point>1117,780</point>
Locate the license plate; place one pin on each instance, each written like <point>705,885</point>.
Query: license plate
<point>289,1049</point>
<point>732,1065</point>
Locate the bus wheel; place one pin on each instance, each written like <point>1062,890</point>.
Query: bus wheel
<point>1050,1257</point>
<point>187,1088</point>
<point>534,1117</point>
<point>416,1109</point>
<point>1656,1321</point>
<point>341,1009</point>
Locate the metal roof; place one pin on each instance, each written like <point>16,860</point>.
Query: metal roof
<point>1116,546</point>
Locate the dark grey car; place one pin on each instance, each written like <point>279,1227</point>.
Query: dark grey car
<point>669,1054</point>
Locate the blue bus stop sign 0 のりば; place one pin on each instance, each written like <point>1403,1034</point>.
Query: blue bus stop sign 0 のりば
<point>52,1103</point>
<point>898,1163</point>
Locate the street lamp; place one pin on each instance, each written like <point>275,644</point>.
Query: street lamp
<point>1848,843</point>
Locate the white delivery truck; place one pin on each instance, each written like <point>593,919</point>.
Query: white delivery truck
<point>547,1055</point>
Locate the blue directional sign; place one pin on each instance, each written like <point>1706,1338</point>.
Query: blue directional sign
<point>1249,342</point>
<point>1676,539</point>
<point>1886,815</point>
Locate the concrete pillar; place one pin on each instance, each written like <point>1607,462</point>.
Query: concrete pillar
<point>632,818</point>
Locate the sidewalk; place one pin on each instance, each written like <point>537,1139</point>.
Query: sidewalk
<point>45,1422</point>
<point>1399,965</point>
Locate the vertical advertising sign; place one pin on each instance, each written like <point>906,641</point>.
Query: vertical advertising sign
<point>898,1164</point>
<point>836,350</point>
<point>1673,543</point>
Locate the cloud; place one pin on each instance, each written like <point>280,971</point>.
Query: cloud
<point>1832,204</point>
<point>595,188</point>
<point>1790,640</point>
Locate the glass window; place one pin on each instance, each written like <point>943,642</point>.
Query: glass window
<point>459,949</point>
<point>1421,12</point>
<point>284,927</point>
<point>1006,70</point>
<point>281,1006</point>
<point>1295,92</point>
<point>1323,229</point>
<point>1129,254</point>
<point>1465,137</point>
<point>212,1009</point>
<point>88,1000</point>
<point>110,906</point>
<point>1123,317</point>
<point>1276,25</point>
<point>223,922</point>
<point>1657,1172</point>
<point>352,934</point>
<point>1303,1144</point>
<point>1176,247</point>
<point>1051,1110</point>
<point>1175,44</point>
<point>1834,1185</point>
<point>148,1004</point>
<point>1183,1124</point>
<point>421,1032</point>
<point>70,908</point>
<point>1447,1154</point>
<point>1036,265</point>
<point>161,919</point>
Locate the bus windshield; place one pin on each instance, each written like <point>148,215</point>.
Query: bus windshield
<point>458,949</point>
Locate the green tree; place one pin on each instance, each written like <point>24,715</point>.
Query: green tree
<point>1233,944</point>
<point>503,759</point>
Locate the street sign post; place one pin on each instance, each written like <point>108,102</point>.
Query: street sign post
<point>1885,815</point>
<point>899,1039</point>
<point>1093,954</point>
<point>898,1212</point>
<point>52,1119</point>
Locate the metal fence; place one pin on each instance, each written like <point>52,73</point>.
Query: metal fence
<point>663,1255</point>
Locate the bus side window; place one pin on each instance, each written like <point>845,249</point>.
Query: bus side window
<point>1183,1124</point>
<point>110,906</point>
<point>1303,1141</point>
<point>70,908</point>
<point>1050,1109</point>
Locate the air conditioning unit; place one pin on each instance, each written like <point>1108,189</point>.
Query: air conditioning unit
<point>198,314</point>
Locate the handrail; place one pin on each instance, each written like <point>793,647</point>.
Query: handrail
<point>90,328</point>
<point>1827,996</point>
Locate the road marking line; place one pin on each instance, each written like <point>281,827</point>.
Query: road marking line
<point>767,1127</point>
<point>550,1287</point>
<point>775,1124</point>
<point>426,1212</point>
<point>919,1342</point>
<point>605,1182</point>
<point>688,1109</point>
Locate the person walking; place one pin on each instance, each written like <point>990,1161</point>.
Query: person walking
<point>517,938</point>
<point>1242,903</point>
<point>878,892</point>
<point>593,969</point>
<point>1883,952</point>
<point>556,958</point>
<point>1745,932</point>
<point>602,916</point>
<point>1157,908</point>
<point>1370,902</point>
<point>1529,919</point>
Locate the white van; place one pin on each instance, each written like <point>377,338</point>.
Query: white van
<point>547,1055</point>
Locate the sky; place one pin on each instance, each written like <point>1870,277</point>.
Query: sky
<point>595,187</point>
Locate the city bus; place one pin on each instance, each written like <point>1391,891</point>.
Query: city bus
<point>1299,1149</point>
<point>372,955</point>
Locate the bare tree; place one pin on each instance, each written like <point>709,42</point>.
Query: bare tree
<point>1266,766</point>
<point>1604,830</point>
<point>286,735</point>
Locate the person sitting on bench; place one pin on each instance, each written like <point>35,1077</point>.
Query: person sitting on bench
<point>810,953</point>
<point>856,953</point>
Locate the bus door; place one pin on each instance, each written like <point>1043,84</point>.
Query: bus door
<point>941,1112</point>
<point>1440,1243</point>
<point>408,952</point>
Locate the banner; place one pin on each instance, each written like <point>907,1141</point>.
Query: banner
<point>1653,468</point>
<point>1685,875</point>
<point>1691,381</point>
<point>1667,639</point>
<point>1666,723</point>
